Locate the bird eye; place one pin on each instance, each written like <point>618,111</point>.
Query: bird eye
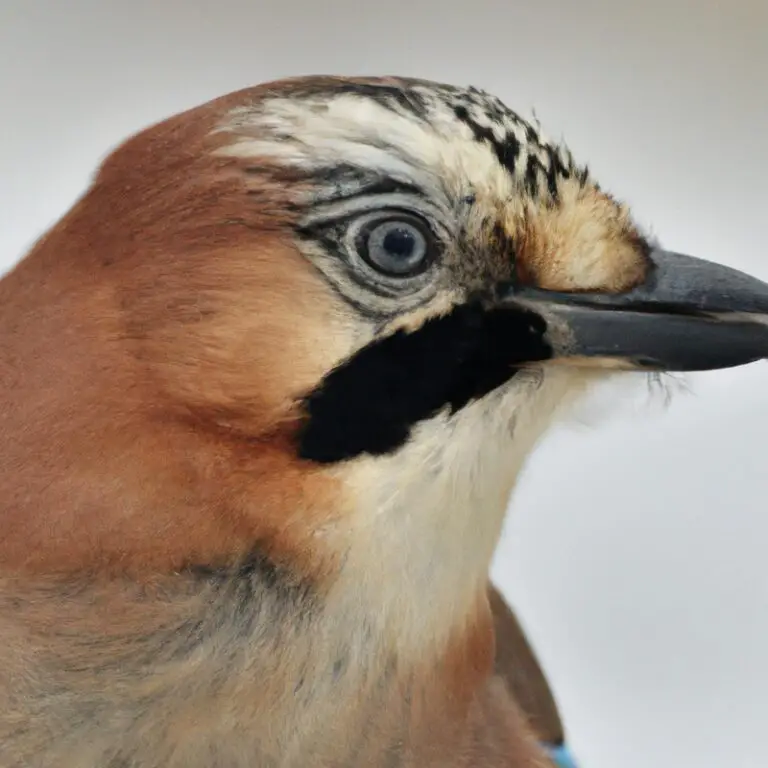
<point>398,245</point>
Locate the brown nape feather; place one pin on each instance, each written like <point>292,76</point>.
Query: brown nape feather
<point>130,374</point>
<point>171,590</point>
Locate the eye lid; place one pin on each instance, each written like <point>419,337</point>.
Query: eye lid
<point>341,212</point>
<point>357,220</point>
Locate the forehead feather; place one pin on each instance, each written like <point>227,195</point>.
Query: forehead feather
<point>416,130</point>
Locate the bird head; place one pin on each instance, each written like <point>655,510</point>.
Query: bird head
<point>325,320</point>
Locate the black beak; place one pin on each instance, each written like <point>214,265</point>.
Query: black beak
<point>689,315</point>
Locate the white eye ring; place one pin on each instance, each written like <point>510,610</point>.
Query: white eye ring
<point>396,244</point>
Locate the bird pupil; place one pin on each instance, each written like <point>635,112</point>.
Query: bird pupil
<point>399,242</point>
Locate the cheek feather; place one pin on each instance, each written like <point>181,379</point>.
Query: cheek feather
<point>250,334</point>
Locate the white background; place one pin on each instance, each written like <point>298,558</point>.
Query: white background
<point>635,550</point>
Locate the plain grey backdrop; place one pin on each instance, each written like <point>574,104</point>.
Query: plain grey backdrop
<point>635,545</point>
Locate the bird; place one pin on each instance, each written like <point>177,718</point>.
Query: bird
<point>267,387</point>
